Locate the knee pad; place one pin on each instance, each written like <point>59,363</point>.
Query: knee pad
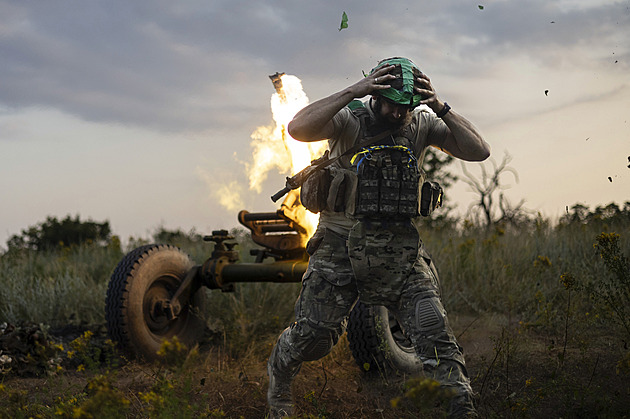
<point>321,344</point>
<point>429,314</point>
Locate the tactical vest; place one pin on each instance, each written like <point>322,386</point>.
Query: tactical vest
<point>383,179</point>
<point>388,179</point>
<point>388,176</point>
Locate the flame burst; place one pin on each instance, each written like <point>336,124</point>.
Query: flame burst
<point>273,147</point>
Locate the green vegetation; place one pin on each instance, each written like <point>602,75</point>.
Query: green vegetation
<point>52,234</point>
<point>553,300</point>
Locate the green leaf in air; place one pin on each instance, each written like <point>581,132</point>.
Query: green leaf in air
<point>480,7</point>
<point>344,21</point>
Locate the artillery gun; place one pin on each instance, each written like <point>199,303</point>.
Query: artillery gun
<point>156,292</point>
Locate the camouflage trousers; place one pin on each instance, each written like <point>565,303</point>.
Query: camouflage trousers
<point>383,263</point>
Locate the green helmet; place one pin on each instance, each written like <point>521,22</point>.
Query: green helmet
<point>406,73</point>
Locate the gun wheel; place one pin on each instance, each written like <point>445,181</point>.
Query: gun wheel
<point>142,282</point>
<point>378,343</point>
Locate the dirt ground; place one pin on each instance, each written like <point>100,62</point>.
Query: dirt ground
<point>524,380</point>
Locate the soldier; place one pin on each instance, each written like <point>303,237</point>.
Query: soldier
<point>366,244</point>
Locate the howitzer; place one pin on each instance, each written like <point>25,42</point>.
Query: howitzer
<point>156,292</point>
<point>299,178</point>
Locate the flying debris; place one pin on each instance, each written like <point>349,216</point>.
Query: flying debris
<point>609,178</point>
<point>276,79</point>
<point>546,91</point>
<point>480,7</point>
<point>344,21</point>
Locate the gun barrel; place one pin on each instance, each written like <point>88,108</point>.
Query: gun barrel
<point>281,272</point>
<point>282,192</point>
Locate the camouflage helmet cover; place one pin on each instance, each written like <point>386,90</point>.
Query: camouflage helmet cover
<point>406,73</point>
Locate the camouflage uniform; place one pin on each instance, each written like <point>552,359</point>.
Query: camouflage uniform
<point>393,269</point>
<point>384,263</point>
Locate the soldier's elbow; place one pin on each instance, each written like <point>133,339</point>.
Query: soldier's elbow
<point>486,151</point>
<point>302,132</point>
<point>295,131</point>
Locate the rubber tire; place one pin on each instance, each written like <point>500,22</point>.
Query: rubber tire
<point>151,271</point>
<point>378,344</point>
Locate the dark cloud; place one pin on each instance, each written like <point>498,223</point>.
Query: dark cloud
<point>187,66</point>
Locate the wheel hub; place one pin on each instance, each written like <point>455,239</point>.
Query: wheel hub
<point>159,314</point>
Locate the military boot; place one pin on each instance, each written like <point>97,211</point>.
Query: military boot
<point>452,375</point>
<point>279,395</point>
<point>462,407</point>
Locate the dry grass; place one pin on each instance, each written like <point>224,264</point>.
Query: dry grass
<point>516,371</point>
<point>538,342</point>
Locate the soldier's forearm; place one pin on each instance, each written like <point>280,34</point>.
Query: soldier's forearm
<point>314,122</point>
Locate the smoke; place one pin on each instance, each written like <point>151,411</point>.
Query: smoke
<point>228,194</point>
<point>268,152</point>
<point>272,147</point>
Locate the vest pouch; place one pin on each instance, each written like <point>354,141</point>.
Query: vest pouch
<point>389,197</point>
<point>388,182</point>
<point>367,199</point>
<point>409,192</point>
<point>352,184</point>
<point>314,191</point>
<point>367,188</point>
<point>430,198</point>
<point>408,204</point>
<point>342,191</point>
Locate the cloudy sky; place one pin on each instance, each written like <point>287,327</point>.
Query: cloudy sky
<point>137,112</point>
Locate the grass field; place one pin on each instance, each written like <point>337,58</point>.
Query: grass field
<point>542,310</point>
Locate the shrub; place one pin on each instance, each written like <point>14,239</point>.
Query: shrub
<point>53,233</point>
